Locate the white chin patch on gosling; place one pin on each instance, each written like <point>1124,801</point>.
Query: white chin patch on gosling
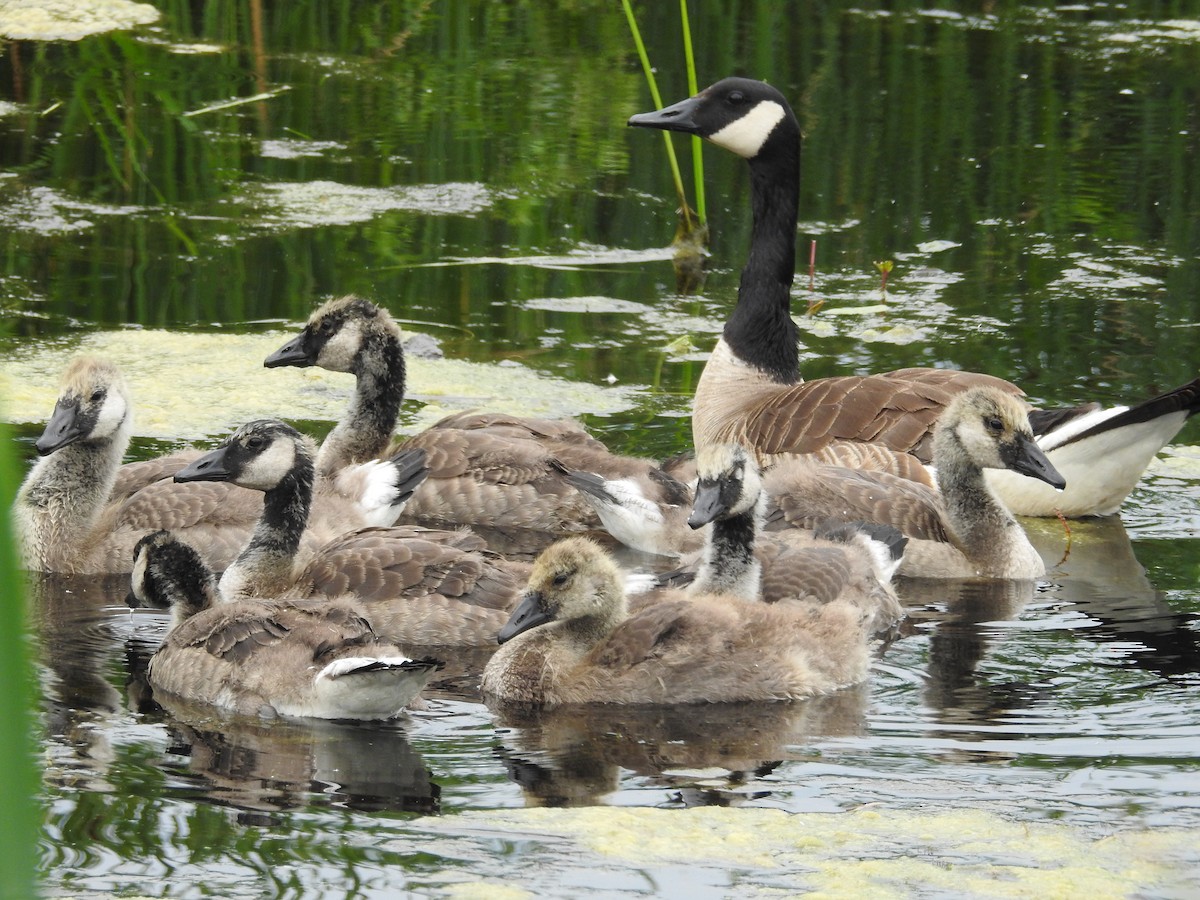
<point>112,414</point>
<point>270,467</point>
<point>746,135</point>
<point>137,578</point>
<point>338,353</point>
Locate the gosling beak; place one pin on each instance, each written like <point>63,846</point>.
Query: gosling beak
<point>528,614</point>
<point>293,353</point>
<point>63,428</point>
<point>1026,457</point>
<point>210,467</point>
<point>708,505</point>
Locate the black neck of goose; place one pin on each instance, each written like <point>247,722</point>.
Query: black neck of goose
<point>285,513</point>
<point>761,331</point>
<point>729,555</point>
<point>367,429</point>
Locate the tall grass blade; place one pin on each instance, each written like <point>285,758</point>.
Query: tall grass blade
<point>693,89</point>
<point>685,211</point>
<point>19,824</point>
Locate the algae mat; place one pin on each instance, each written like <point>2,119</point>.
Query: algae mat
<point>754,852</point>
<point>189,386</point>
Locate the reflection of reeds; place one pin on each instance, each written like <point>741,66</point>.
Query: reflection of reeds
<point>19,825</point>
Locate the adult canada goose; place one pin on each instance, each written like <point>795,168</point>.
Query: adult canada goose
<point>81,511</point>
<point>485,469</point>
<point>837,562</point>
<point>263,657</point>
<point>963,531</point>
<point>418,586</point>
<point>750,391</point>
<point>572,640</point>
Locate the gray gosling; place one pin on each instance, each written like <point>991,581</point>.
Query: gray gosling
<point>486,470</point>
<point>961,531</point>
<point>81,511</point>
<point>573,640</point>
<point>266,658</point>
<point>418,585</point>
<point>851,562</point>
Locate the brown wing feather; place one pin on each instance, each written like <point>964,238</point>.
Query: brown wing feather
<point>897,409</point>
<point>645,635</point>
<point>805,495</point>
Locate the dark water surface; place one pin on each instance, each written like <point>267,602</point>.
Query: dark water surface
<point>1032,172</point>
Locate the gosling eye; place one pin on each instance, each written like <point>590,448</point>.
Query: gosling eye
<point>255,442</point>
<point>993,424</point>
<point>326,326</point>
<point>561,578</point>
<point>97,396</point>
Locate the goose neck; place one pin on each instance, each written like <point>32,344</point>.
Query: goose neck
<point>367,427</point>
<point>271,552</point>
<point>760,330</point>
<point>63,498</point>
<point>730,566</point>
<point>981,525</point>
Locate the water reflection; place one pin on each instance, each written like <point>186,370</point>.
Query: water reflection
<point>1102,579</point>
<point>961,640</point>
<point>575,756</point>
<point>269,766</point>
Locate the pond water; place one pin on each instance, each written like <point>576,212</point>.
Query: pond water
<point>179,195</point>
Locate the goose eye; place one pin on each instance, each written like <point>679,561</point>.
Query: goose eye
<point>326,326</point>
<point>737,98</point>
<point>254,443</point>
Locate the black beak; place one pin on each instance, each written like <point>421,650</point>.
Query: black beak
<point>708,505</point>
<point>529,614</point>
<point>63,428</point>
<point>293,353</point>
<point>209,467</point>
<point>1027,458</point>
<point>679,116</point>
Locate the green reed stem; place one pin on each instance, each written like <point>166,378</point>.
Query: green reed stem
<point>658,104</point>
<point>693,89</point>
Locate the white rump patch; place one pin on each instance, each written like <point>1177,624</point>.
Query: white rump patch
<point>372,485</point>
<point>348,665</point>
<point>745,136</point>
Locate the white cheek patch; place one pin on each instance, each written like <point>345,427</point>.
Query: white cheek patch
<point>745,136</point>
<point>982,449</point>
<point>270,467</point>
<point>338,353</point>
<point>112,414</point>
<point>752,492</point>
<point>137,578</point>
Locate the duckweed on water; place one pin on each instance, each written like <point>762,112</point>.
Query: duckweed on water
<point>868,852</point>
<point>317,204</point>
<point>70,20</point>
<point>190,386</point>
